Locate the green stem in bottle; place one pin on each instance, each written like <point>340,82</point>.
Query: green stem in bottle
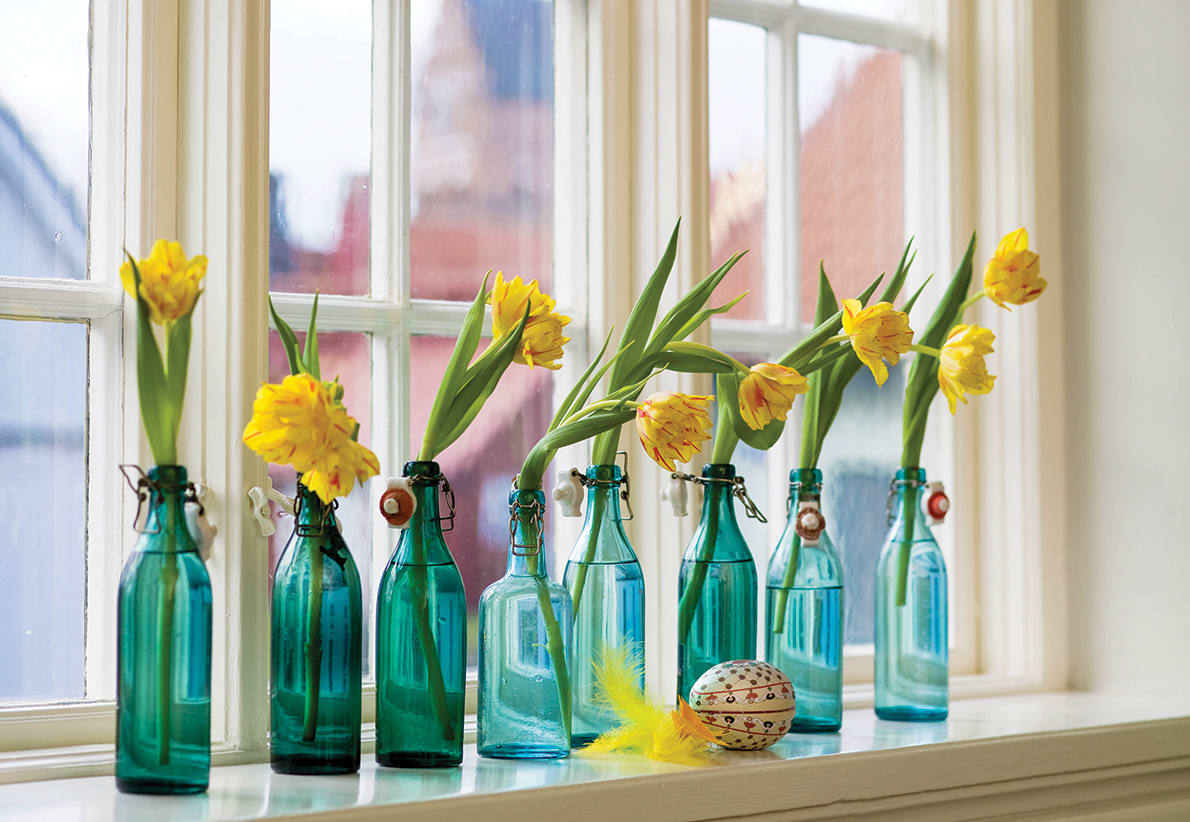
<point>580,578</point>
<point>429,650</point>
<point>553,631</point>
<point>693,593</point>
<point>786,584</point>
<point>169,586</point>
<point>909,513</point>
<point>314,636</point>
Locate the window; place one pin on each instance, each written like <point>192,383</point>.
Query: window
<point>815,115</point>
<point>397,269</point>
<point>61,431</point>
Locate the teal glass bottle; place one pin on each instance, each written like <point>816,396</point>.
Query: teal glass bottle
<point>163,669</point>
<point>316,650</point>
<point>804,614</point>
<point>912,654</point>
<point>421,640</point>
<point>524,642</point>
<point>717,586</point>
<point>607,589</point>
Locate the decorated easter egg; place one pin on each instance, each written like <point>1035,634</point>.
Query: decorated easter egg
<point>745,704</point>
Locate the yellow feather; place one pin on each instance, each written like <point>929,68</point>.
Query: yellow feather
<point>645,728</point>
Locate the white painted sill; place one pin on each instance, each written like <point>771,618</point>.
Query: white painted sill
<point>1073,753</point>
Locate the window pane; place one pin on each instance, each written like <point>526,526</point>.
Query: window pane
<point>482,463</point>
<point>852,180</point>
<point>320,126</point>
<point>736,75</point>
<point>482,143</point>
<point>858,460</point>
<point>44,138</point>
<point>900,10</point>
<point>43,509</point>
<point>348,356</point>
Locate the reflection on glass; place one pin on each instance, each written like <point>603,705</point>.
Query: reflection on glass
<point>42,509</point>
<point>852,171</point>
<point>482,143</point>
<point>348,356</point>
<point>44,138</point>
<point>859,456</point>
<point>903,11</point>
<point>736,77</point>
<point>482,463</point>
<point>320,112</point>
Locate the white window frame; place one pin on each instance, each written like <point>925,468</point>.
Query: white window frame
<point>197,154</point>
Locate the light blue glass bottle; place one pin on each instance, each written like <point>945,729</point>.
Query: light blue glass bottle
<point>421,640</point>
<point>317,662</point>
<point>607,588</point>
<point>717,586</point>
<point>912,654</point>
<point>804,615</point>
<point>524,640</point>
<point>163,668</point>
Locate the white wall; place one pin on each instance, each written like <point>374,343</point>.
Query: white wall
<point>1125,115</point>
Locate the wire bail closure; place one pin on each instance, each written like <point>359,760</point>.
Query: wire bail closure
<point>893,486</point>
<point>739,490</point>
<point>537,518</point>
<point>315,530</point>
<point>625,483</point>
<point>144,488</point>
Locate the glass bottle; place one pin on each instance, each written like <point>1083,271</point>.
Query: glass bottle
<point>716,586</point>
<point>804,614</point>
<point>316,649</point>
<point>606,586</point>
<point>163,669</point>
<point>421,640</point>
<point>524,640</point>
<point>911,622</point>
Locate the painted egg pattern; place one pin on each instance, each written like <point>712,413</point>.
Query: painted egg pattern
<point>746,705</point>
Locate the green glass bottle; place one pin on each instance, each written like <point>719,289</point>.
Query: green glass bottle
<point>317,661</point>
<point>163,672</point>
<point>421,640</point>
<point>717,586</point>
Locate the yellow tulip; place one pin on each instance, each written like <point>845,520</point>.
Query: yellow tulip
<point>673,427</point>
<point>878,333</point>
<point>1013,274</point>
<point>542,340</point>
<point>168,281</point>
<point>301,423</point>
<point>961,369</point>
<point>768,392</point>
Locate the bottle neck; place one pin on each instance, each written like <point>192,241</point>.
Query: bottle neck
<point>526,548</point>
<point>907,498</point>
<point>805,485</point>
<point>422,541</point>
<point>718,498</point>
<point>166,519</point>
<point>312,515</point>
<point>603,500</point>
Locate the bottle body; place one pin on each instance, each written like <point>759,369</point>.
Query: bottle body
<point>912,651</point>
<point>804,615</point>
<point>606,587</point>
<point>317,634</point>
<point>524,640</point>
<point>421,641</point>
<point>717,586</point>
<point>163,713</point>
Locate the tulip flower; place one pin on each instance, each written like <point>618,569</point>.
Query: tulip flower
<point>961,368</point>
<point>767,393</point>
<point>673,427</point>
<point>1013,274</point>
<point>542,340</point>
<point>168,281</point>
<point>878,333</point>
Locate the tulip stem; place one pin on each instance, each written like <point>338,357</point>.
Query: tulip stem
<point>925,349</point>
<point>970,301</point>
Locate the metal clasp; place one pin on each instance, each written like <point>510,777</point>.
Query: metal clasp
<point>626,491</point>
<point>536,518</point>
<point>738,490</point>
<point>449,494</point>
<point>315,530</point>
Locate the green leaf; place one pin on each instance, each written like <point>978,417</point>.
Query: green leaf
<point>898,278</point>
<point>480,385</point>
<point>177,355</point>
<point>288,340</point>
<point>570,433</point>
<point>310,357</point>
<point>150,381</point>
<point>581,388</point>
<point>644,313</point>
<point>695,322</point>
<point>688,306</point>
